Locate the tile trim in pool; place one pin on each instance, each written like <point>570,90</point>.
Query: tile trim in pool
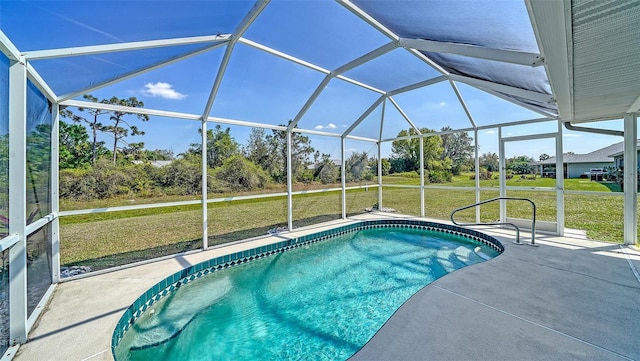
<point>191,273</point>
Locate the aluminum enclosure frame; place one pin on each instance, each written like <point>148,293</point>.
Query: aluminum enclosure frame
<point>21,70</point>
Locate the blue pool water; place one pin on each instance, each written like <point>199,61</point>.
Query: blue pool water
<point>323,301</point>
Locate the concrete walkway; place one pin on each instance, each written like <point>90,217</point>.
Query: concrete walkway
<point>566,299</point>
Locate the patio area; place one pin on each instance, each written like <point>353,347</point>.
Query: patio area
<point>567,299</point>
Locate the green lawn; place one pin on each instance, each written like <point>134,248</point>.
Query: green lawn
<point>109,239</point>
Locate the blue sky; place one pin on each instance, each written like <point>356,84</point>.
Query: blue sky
<point>259,87</point>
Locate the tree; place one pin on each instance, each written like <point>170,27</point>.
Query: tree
<point>544,156</point>
<point>490,161</point>
<point>301,150</point>
<point>75,149</point>
<point>220,146</point>
<point>121,127</point>
<point>326,170</point>
<point>92,122</point>
<point>357,167</point>
<point>157,154</point>
<point>134,151</point>
<point>520,164</point>
<point>406,152</point>
<point>458,148</point>
<point>386,166</point>
<point>257,148</point>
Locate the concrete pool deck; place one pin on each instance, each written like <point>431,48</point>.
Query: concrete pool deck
<point>569,298</point>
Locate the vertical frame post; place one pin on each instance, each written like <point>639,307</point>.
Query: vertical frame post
<point>379,175</point>
<point>503,177</point>
<point>384,103</point>
<point>630,179</point>
<point>343,177</point>
<point>289,182</point>
<point>476,160</point>
<point>422,214</point>
<point>205,193</point>
<point>18,202</point>
<point>559,181</point>
<point>54,240</point>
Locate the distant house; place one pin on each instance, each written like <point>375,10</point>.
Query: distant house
<point>618,157</point>
<point>576,165</point>
<point>154,163</point>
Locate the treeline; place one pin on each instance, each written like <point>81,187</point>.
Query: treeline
<point>91,169</point>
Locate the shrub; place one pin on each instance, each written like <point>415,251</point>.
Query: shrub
<point>239,174</point>
<point>103,181</point>
<point>484,175</point>
<point>439,176</point>
<point>329,173</point>
<point>181,177</point>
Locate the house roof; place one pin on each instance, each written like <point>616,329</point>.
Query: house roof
<point>602,155</point>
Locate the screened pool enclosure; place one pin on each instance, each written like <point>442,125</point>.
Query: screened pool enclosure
<point>351,76</point>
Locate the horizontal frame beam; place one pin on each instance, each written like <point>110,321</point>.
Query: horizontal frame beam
<point>112,48</point>
<point>524,93</point>
<point>9,49</point>
<point>368,19</point>
<point>134,73</point>
<point>507,56</point>
<point>364,115</point>
<point>37,80</point>
<point>196,202</point>
<point>360,84</point>
<point>187,116</point>
<point>33,227</point>
<point>8,241</point>
<point>417,85</point>
<point>404,115</point>
<point>282,55</point>
<point>518,103</point>
<point>365,58</point>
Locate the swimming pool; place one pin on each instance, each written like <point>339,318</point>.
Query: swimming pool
<point>320,296</point>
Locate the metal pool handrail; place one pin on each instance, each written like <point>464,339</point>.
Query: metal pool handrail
<point>533,222</point>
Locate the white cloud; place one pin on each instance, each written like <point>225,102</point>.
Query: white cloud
<point>443,104</point>
<point>328,126</point>
<point>162,90</point>
<point>571,135</point>
<point>490,132</point>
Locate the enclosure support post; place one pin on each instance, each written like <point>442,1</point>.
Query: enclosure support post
<point>559,181</point>
<point>503,177</point>
<point>422,176</point>
<point>630,179</point>
<point>18,202</point>
<point>477,171</point>
<point>343,178</point>
<point>289,183</point>
<point>379,175</point>
<point>55,200</point>
<point>384,103</point>
<point>205,214</point>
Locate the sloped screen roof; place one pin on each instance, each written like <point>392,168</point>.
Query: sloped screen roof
<point>363,40</point>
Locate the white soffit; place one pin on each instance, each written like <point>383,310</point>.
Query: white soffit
<point>606,57</point>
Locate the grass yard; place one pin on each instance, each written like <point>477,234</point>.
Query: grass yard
<point>104,240</point>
